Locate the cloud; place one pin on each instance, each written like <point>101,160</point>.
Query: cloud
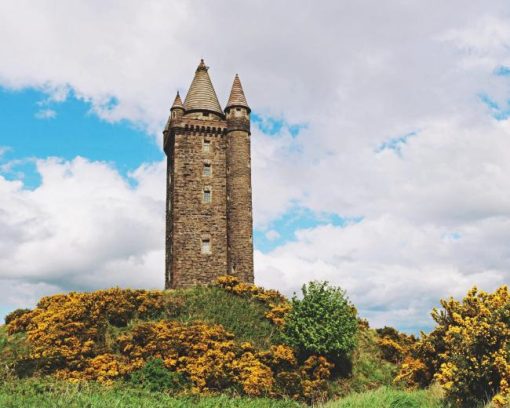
<point>393,271</point>
<point>46,114</point>
<point>83,228</point>
<point>351,81</point>
<point>271,235</point>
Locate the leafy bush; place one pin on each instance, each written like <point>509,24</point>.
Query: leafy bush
<point>468,353</point>
<point>155,377</point>
<point>322,322</point>
<point>212,361</point>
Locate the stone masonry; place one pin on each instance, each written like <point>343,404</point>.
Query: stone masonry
<point>209,227</point>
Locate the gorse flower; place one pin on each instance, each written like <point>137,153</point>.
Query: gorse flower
<point>110,334</point>
<point>468,351</point>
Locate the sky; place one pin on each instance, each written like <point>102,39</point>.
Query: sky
<point>380,143</point>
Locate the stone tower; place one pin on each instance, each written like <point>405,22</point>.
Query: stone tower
<point>209,223</point>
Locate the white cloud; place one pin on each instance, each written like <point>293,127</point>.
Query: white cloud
<point>46,114</point>
<point>271,235</point>
<point>393,271</point>
<point>83,228</point>
<point>357,73</point>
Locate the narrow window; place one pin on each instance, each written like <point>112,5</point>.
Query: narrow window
<point>207,196</point>
<point>206,246</point>
<point>206,147</point>
<point>207,169</point>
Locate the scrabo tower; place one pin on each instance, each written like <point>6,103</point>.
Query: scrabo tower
<point>209,205</point>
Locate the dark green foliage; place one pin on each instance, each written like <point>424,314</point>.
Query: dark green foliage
<point>155,377</point>
<point>15,314</point>
<point>323,322</point>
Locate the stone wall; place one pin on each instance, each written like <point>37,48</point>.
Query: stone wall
<point>226,221</point>
<point>192,220</point>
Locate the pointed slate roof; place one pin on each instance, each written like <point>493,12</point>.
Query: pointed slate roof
<point>177,102</point>
<point>237,97</point>
<point>201,94</point>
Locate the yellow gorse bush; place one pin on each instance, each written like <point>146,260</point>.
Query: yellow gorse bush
<point>394,345</point>
<point>468,351</point>
<point>108,334</point>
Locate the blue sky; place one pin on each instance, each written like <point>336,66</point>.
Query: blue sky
<point>379,147</point>
<point>74,130</point>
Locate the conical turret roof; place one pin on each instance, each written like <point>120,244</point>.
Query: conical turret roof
<point>237,97</point>
<point>177,102</point>
<point>201,94</point>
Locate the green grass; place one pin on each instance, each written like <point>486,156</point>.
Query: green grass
<point>369,370</point>
<point>242,317</point>
<point>45,393</point>
<point>390,398</point>
<point>11,347</point>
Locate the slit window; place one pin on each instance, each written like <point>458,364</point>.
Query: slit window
<point>206,147</point>
<point>207,169</point>
<point>206,246</point>
<point>207,196</point>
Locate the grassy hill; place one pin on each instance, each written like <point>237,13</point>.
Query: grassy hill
<point>109,325</point>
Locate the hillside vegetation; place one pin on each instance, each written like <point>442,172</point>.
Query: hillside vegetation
<point>237,345</point>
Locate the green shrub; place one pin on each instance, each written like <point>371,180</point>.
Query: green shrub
<point>322,322</point>
<point>155,377</point>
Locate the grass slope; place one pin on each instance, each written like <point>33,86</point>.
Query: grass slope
<point>244,318</point>
<point>42,393</point>
<point>369,370</point>
<point>390,398</point>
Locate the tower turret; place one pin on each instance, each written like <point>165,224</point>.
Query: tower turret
<point>177,108</point>
<point>239,196</point>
